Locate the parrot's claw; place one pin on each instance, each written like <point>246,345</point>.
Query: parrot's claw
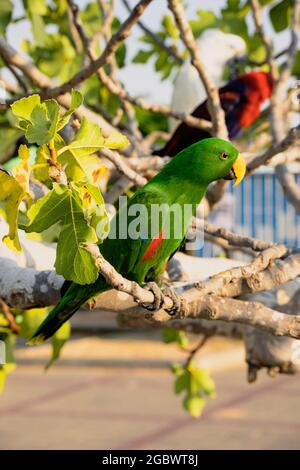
<point>158,297</point>
<point>172,294</point>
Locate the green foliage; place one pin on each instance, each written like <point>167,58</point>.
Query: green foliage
<point>29,322</point>
<point>204,20</point>
<point>41,121</point>
<point>280,15</point>
<point>6,9</point>
<point>149,122</point>
<point>195,384</point>
<point>75,208</point>
<point>5,369</point>
<point>164,63</point>
<point>296,65</point>
<point>63,204</point>
<point>55,57</point>
<point>11,195</point>
<point>175,336</point>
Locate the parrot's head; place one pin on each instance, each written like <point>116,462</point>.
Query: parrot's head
<point>213,159</point>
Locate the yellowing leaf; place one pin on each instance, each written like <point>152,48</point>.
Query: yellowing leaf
<point>79,168</point>
<point>116,140</point>
<point>21,171</point>
<point>11,195</point>
<point>194,405</point>
<point>5,369</point>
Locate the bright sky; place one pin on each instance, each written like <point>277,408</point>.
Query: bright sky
<point>140,79</point>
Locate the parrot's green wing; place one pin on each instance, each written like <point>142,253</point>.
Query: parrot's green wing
<point>127,254</point>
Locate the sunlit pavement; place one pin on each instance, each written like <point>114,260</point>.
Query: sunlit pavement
<point>92,400</point>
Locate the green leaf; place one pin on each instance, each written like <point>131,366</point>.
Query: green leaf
<point>38,120</point>
<point>96,210</point>
<point>6,10</point>
<point>63,204</point>
<point>280,14</point>
<point>11,195</point>
<point>175,336</point>
<point>196,383</point>
<point>296,65</point>
<point>76,101</point>
<point>35,6</point>
<point>181,383</point>
<point>89,139</point>
<point>43,125</point>
<point>24,107</point>
<point>56,57</point>
<point>256,49</point>
<point>79,169</point>
<point>38,28</point>
<point>206,19</point>
<point>73,261</point>
<point>58,341</point>
<point>170,27</point>
<point>142,57</point>
<point>91,19</point>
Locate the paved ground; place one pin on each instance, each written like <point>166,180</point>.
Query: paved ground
<point>110,404</point>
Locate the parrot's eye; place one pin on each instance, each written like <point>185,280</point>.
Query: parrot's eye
<point>224,156</point>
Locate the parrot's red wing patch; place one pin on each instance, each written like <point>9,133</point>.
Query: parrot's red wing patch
<point>153,247</point>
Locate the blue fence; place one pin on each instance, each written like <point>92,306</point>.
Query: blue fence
<point>258,208</point>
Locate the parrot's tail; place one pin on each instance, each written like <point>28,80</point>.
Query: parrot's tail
<point>71,301</point>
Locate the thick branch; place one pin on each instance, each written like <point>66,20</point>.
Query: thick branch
<point>28,288</point>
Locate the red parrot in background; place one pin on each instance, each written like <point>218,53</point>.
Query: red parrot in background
<point>241,99</point>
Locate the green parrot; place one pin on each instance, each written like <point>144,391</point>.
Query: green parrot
<point>182,182</point>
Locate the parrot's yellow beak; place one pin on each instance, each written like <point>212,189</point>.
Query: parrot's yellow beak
<point>239,169</point>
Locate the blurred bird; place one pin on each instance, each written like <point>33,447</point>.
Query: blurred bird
<point>217,50</point>
<point>241,100</point>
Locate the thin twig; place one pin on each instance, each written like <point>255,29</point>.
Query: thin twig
<point>169,49</point>
<point>15,328</point>
<point>111,47</point>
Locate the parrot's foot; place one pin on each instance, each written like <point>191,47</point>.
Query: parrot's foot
<point>158,296</point>
<point>177,303</point>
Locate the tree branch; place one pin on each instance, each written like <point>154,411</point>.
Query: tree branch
<point>214,104</point>
<point>170,50</point>
<point>42,82</point>
<point>111,47</point>
<point>292,138</point>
